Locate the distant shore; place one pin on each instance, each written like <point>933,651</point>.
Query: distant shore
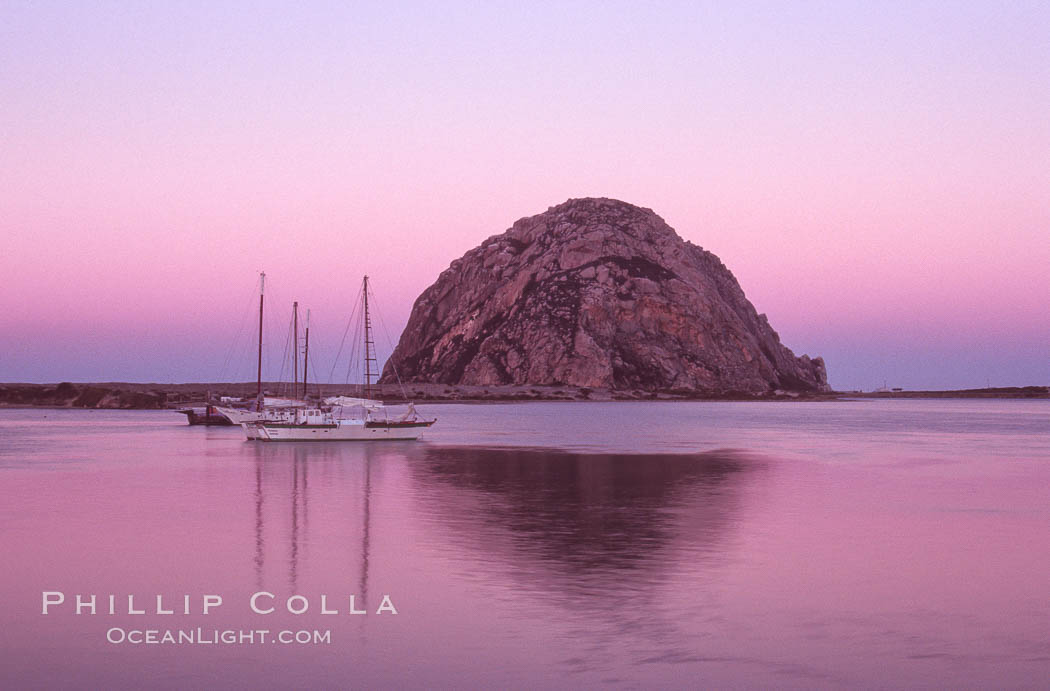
<point>992,392</point>
<point>136,396</point>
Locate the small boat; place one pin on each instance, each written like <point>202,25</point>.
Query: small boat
<point>207,415</point>
<point>344,418</point>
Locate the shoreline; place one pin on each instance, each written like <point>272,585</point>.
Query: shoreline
<point>152,396</point>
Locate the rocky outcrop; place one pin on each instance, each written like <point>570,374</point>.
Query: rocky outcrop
<point>596,293</point>
<point>67,395</point>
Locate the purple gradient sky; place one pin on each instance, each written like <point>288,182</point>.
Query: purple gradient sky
<point>875,174</point>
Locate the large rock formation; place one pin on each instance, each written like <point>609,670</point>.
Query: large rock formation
<point>595,293</point>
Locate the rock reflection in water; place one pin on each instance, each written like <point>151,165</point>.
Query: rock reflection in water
<point>584,525</point>
<point>624,551</point>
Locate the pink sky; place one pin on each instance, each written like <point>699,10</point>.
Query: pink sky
<point>875,177</point>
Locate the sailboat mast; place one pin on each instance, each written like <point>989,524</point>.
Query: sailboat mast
<point>295,348</point>
<point>369,345</point>
<point>262,287</point>
<point>306,352</point>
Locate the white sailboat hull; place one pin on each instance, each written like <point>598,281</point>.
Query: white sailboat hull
<point>335,431</point>
<point>251,431</point>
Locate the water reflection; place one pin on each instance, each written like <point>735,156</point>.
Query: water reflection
<point>366,518</point>
<point>290,482</point>
<point>625,550</point>
<point>557,520</point>
<point>293,559</point>
<point>854,555</point>
<point>260,545</point>
<point>608,543</point>
<point>564,520</point>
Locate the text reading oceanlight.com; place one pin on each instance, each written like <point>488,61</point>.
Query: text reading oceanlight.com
<point>201,636</point>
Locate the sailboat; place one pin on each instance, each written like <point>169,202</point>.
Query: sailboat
<point>345,418</point>
<point>271,408</point>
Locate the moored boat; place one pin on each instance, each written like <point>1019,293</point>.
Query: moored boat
<point>343,418</point>
<point>205,415</point>
<point>318,424</point>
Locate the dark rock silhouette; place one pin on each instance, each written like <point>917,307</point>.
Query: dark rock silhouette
<point>595,293</point>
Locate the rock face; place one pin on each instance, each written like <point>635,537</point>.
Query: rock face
<point>595,293</point>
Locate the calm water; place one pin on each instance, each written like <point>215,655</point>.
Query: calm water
<point>854,544</point>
